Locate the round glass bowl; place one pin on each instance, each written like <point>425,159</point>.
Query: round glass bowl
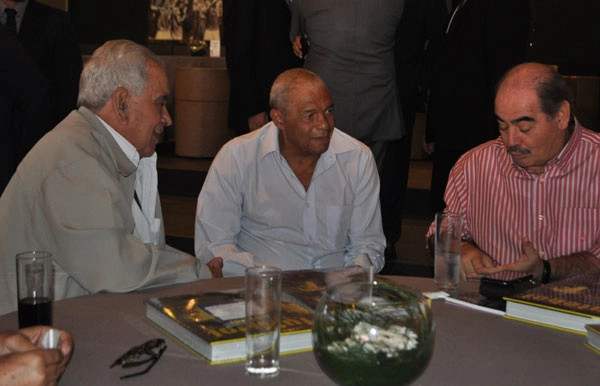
<point>373,334</point>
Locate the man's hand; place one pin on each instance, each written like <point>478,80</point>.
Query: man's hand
<point>529,262</point>
<point>216,267</point>
<point>24,362</point>
<point>473,261</point>
<point>257,121</point>
<point>297,46</point>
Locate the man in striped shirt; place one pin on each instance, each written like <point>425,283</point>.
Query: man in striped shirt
<point>531,198</point>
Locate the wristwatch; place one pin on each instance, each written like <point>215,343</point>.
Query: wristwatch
<point>547,272</point>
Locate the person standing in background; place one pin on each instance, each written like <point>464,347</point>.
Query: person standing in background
<point>258,49</point>
<point>26,108</point>
<point>417,38</point>
<point>484,38</point>
<point>48,37</point>
<point>351,46</point>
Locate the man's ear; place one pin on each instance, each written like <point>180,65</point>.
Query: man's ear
<point>277,117</point>
<point>564,115</point>
<point>119,103</point>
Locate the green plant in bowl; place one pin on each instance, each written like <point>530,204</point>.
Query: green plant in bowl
<point>374,334</point>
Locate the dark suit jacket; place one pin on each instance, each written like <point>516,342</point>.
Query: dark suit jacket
<point>26,108</point>
<point>257,50</point>
<point>486,38</point>
<point>50,40</point>
<point>418,36</point>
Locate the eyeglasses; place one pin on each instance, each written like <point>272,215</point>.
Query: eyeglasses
<point>149,352</point>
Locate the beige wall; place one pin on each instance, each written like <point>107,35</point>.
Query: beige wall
<point>60,4</point>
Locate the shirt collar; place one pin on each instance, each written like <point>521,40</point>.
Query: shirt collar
<point>559,162</point>
<point>270,143</point>
<point>128,149</point>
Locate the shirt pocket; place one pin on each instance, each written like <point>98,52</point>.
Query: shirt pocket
<point>577,230</point>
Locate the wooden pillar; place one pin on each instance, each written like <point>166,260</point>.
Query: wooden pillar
<point>201,102</point>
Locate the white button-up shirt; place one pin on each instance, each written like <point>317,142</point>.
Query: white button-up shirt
<point>253,209</point>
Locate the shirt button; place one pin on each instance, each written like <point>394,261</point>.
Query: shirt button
<point>307,204</point>
<point>541,217</point>
<point>541,253</point>
<point>542,180</point>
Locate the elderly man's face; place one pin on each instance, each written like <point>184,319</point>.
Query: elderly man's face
<point>307,123</point>
<point>531,137</point>
<point>149,113</point>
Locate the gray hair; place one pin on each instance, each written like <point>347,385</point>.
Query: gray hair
<point>117,63</point>
<point>286,82</point>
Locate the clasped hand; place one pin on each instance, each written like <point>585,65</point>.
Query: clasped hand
<point>476,264</point>
<point>24,362</point>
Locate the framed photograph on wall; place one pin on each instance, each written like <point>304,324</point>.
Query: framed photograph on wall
<point>185,20</point>
<point>59,4</point>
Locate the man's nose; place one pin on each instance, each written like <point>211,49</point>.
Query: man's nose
<point>324,120</point>
<point>511,137</point>
<point>166,117</point>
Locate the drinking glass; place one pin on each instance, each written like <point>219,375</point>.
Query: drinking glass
<point>263,320</point>
<point>35,288</point>
<point>448,229</point>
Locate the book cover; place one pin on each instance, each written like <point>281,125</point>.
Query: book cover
<point>567,304</point>
<point>305,287</point>
<point>593,337</point>
<point>213,324</point>
<point>478,302</point>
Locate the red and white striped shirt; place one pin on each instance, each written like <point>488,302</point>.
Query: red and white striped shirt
<point>558,210</point>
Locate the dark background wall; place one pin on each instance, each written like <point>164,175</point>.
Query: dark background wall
<point>565,32</point>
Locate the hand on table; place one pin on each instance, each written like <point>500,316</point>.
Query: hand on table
<point>473,261</point>
<point>529,262</point>
<point>24,362</point>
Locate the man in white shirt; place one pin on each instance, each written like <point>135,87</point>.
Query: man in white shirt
<point>297,193</point>
<point>87,191</point>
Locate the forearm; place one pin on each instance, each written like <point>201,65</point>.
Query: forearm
<point>574,264</point>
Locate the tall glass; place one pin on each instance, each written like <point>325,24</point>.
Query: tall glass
<point>448,229</point>
<point>263,320</point>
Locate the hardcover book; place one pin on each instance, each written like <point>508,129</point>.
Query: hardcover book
<point>567,304</point>
<point>593,337</point>
<point>213,324</point>
<point>305,287</point>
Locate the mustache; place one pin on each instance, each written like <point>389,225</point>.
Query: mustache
<point>518,150</point>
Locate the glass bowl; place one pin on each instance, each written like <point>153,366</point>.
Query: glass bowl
<point>373,333</point>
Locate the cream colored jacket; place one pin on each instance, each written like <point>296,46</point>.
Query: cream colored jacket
<point>72,196</point>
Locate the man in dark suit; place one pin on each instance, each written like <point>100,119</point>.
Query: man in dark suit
<point>484,38</point>
<point>418,35</point>
<point>257,50</point>
<point>48,37</point>
<point>26,108</point>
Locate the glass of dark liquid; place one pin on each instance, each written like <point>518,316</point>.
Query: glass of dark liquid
<point>35,284</point>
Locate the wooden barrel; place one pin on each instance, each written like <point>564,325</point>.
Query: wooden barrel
<point>201,102</point>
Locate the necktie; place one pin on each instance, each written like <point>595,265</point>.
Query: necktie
<point>460,5</point>
<point>11,22</point>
